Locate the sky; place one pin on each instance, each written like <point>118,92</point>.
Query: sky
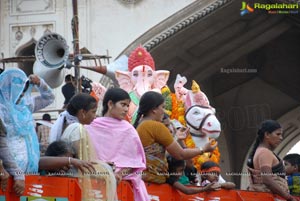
<point>295,149</point>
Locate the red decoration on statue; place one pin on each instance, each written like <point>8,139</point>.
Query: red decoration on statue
<point>140,56</point>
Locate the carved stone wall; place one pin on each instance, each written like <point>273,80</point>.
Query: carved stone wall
<point>21,35</point>
<point>31,7</point>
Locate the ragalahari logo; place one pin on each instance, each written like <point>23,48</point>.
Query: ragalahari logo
<point>246,8</point>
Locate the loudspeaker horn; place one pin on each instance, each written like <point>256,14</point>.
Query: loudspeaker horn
<point>51,52</point>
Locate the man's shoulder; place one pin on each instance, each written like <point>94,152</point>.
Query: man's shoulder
<point>70,85</point>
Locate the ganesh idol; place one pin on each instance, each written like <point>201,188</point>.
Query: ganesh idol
<point>140,78</point>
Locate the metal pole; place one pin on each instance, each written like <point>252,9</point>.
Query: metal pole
<point>75,31</point>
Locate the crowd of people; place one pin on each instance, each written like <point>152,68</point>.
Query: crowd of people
<point>151,150</point>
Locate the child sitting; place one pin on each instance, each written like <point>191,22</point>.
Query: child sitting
<point>61,149</point>
<point>291,163</point>
<point>176,168</point>
<point>173,126</point>
<point>191,172</point>
<point>210,173</point>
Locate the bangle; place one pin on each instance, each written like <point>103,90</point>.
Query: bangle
<point>70,161</point>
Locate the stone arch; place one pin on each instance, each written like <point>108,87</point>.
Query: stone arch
<point>188,44</point>
<point>291,131</point>
<point>26,49</point>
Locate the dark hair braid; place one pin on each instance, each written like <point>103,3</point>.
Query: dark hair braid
<point>149,101</point>
<point>138,117</point>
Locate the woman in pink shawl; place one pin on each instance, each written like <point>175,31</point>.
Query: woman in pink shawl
<point>117,141</point>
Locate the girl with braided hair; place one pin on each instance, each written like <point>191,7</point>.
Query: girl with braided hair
<point>267,172</point>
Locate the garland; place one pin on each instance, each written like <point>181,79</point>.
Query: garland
<point>166,93</point>
<point>175,109</point>
<point>200,159</point>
